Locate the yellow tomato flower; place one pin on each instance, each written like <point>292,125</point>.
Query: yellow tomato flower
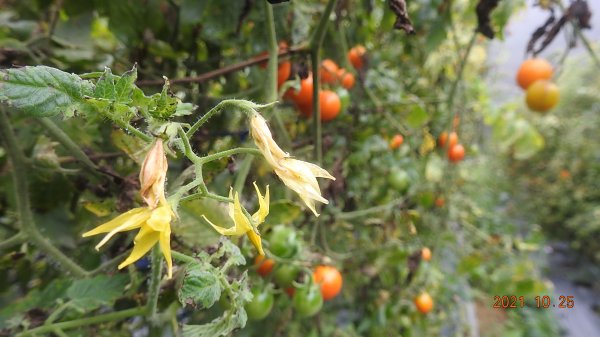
<point>298,175</point>
<point>153,221</point>
<point>241,223</point>
<point>155,227</point>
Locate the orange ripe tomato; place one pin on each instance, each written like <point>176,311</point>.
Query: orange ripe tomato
<point>442,139</point>
<point>283,72</point>
<point>330,280</point>
<point>346,78</point>
<point>426,254</point>
<point>290,291</point>
<point>532,70</point>
<point>440,202</point>
<point>396,142</point>
<point>329,104</point>
<point>356,56</point>
<point>542,96</point>
<point>424,302</point>
<point>328,71</point>
<point>452,139</point>
<point>564,174</point>
<point>456,153</point>
<point>265,266</point>
<point>305,95</point>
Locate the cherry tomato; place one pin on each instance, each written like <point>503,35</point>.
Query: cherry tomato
<point>330,280</point>
<point>426,254</point>
<point>533,70</point>
<point>308,300</point>
<point>265,266</point>
<point>399,180</point>
<point>283,72</point>
<point>452,139</point>
<point>542,96</point>
<point>344,97</point>
<point>346,78</point>
<point>284,242</point>
<point>304,96</point>
<point>356,56</point>
<point>396,141</point>
<point>330,105</point>
<point>442,139</point>
<point>456,153</point>
<point>424,303</point>
<point>440,202</point>
<point>328,71</point>
<point>285,275</point>
<point>261,304</point>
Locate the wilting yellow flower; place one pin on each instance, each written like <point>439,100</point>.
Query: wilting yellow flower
<point>298,175</point>
<point>241,223</point>
<point>153,221</point>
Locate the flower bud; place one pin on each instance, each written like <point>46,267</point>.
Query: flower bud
<point>153,174</point>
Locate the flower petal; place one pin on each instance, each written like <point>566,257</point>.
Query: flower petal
<point>165,247</point>
<point>263,206</point>
<point>235,230</point>
<point>256,241</point>
<point>144,241</point>
<point>239,218</point>
<point>160,219</point>
<point>114,223</point>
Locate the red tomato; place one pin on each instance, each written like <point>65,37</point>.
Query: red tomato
<point>426,254</point>
<point>456,153</point>
<point>330,280</point>
<point>283,72</point>
<point>424,303</point>
<point>328,71</point>
<point>265,266</point>
<point>356,56</point>
<point>346,78</point>
<point>396,142</point>
<point>329,104</point>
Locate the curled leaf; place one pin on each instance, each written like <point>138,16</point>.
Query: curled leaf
<point>484,10</point>
<point>402,21</point>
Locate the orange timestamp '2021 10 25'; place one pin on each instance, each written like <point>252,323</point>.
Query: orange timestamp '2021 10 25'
<point>540,302</point>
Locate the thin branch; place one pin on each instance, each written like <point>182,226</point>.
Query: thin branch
<point>223,71</point>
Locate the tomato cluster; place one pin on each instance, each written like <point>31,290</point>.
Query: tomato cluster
<point>456,151</point>
<point>534,76</point>
<point>307,290</point>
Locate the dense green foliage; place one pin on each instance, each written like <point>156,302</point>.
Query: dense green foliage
<point>79,117</point>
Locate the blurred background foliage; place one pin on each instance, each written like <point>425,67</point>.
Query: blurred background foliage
<point>486,219</point>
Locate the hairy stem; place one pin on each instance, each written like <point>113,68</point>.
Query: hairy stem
<point>21,188</point>
<point>154,288</point>
<point>228,153</point>
<point>315,50</point>
<point>182,257</point>
<point>13,241</point>
<point>113,316</point>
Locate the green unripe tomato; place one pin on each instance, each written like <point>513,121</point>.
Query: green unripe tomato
<point>399,180</point>
<point>284,242</point>
<point>261,304</point>
<point>285,275</point>
<point>308,300</point>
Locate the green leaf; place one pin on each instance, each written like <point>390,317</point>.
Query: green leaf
<point>43,91</point>
<point>164,105</point>
<point>193,229</point>
<point>417,116</point>
<point>91,293</point>
<point>201,287</point>
<point>283,212</point>
<point>125,85</point>
<point>105,87</point>
<point>232,319</point>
